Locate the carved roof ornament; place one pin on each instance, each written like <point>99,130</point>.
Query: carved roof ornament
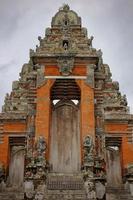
<point>63,14</point>
<point>65,65</point>
<point>65,7</point>
<point>66,34</point>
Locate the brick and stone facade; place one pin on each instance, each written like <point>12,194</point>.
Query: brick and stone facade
<point>65,129</point>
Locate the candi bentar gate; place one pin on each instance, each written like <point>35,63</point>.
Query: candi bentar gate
<point>65,129</point>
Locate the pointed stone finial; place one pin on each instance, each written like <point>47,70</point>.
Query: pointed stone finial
<point>65,7</point>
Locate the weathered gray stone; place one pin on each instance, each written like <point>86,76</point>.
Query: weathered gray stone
<point>90,75</point>
<point>66,65</point>
<point>29,189</point>
<point>100,190</point>
<point>40,76</point>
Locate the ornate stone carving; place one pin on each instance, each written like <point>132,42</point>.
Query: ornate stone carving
<point>64,12</point>
<point>123,100</point>
<point>100,190</point>
<point>88,160</point>
<point>29,189</point>
<point>15,85</point>
<point>88,150</point>
<point>66,65</point>
<point>90,41</point>
<point>37,165</point>
<point>40,76</point>
<point>90,189</point>
<point>84,31</point>
<point>129,171</point>
<point>115,98</point>
<point>99,168</point>
<point>90,75</point>
<point>88,145</point>
<point>41,146</point>
<point>32,52</point>
<point>108,74</point>
<point>100,62</point>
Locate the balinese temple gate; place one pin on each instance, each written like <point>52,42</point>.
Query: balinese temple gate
<point>65,129</point>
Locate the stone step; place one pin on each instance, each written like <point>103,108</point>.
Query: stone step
<point>6,196</point>
<point>11,195</point>
<point>120,193</point>
<point>64,187</point>
<point>64,182</point>
<point>66,195</point>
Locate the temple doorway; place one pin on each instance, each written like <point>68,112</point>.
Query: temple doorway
<point>16,169</point>
<point>65,155</point>
<point>17,159</point>
<point>65,138</point>
<point>113,158</point>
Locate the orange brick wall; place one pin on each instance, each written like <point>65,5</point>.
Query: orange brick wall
<point>115,127</point>
<point>51,71</point>
<point>87,117</point>
<point>43,110</point>
<point>4,151</point>
<point>87,109</point>
<point>54,71</point>
<point>127,151</point>
<point>14,127</point>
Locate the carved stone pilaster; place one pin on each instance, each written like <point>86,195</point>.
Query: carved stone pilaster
<point>40,75</point>
<point>90,75</point>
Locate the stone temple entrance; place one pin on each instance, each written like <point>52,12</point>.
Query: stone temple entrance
<point>65,138</point>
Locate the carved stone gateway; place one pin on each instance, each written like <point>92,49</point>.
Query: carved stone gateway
<point>66,132</point>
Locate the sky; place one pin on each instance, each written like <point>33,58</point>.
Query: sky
<point>109,21</point>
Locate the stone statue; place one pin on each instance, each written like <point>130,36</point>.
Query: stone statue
<point>65,46</point>
<point>88,144</point>
<point>108,74</point>
<point>90,41</point>
<point>29,189</point>
<point>88,162</point>
<point>124,100</point>
<point>41,145</point>
<point>100,62</point>
<point>90,189</point>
